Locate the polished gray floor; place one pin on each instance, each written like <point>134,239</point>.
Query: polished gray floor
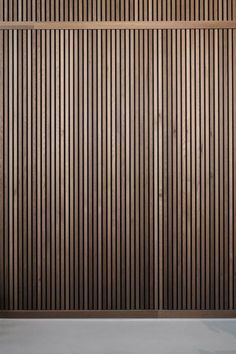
<point>117,336</point>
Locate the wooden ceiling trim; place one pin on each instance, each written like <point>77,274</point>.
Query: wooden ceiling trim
<point>116,25</point>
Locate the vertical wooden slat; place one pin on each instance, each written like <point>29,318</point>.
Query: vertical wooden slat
<point>221,172</point>
<point>57,170</point>
<point>123,171</point>
<point>234,157</point>
<point>62,167</point>
<point>188,167</point>
<point>99,167</point>
<point>140,173</point>
<point>146,173</point>
<point>174,170</point>
<point>151,162</point>
<point>184,174</point>
<point>24,168</point>
<point>207,166</point>
<point>34,234</point>
<point>29,173</point>
<point>81,172</point>
<point>137,166</point>
<point>165,169</point>
<point>216,171</point>
<point>132,166</point>
<point>202,166</point>
<point>67,172</point>
<point>231,187</point>
<point>11,168</point>
<point>43,172</point>
<point>109,163</point>
<point>48,165</point>
<point>91,221</point>
<point>75,180</point>
<point>160,169</point>
<point>6,168</point>
<point>85,36</point>
<point>104,167</point>
<point>198,174</point>
<point>169,169</point>
<point>20,172</point>
<point>95,171</point>
<point>211,172</point>
<point>39,169</point>
<point>155,173</point>
<point>71,169</point>
<point>118,133</point>
<point>113,168</point>
<point>179,168</point>
<point>109,168</point>
<point>225,169</point>
<point>2,194</point>
<point>53,161</point>
<point>127,166</point>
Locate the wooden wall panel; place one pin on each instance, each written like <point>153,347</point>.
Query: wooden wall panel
<point>117,162</point>
<point>117,10</point>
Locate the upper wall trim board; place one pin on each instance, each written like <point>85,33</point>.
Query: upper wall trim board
<point>116,25</point>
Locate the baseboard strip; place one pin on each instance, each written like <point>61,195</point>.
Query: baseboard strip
<point>119,314</point>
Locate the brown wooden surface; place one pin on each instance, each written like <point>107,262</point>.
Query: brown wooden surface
<point>117,159</point>
<point>77,158</point>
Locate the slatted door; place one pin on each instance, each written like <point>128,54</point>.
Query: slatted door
<point>117,157</point>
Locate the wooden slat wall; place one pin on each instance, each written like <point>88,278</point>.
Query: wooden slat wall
<point>111,10</point>
<point>117,159</point>
<point>117,163</point>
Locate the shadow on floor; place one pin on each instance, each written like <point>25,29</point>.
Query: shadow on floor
<point>228,327</point>
<point>217,352</point>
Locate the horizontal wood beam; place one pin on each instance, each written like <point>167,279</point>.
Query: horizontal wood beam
<point>120,314</point>
<point>116,25</point>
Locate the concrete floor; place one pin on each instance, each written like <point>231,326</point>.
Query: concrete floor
<point>117,336</point>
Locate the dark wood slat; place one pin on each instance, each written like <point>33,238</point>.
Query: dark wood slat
<point>2,214</point>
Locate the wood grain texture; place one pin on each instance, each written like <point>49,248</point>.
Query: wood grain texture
<point>117,169</point>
